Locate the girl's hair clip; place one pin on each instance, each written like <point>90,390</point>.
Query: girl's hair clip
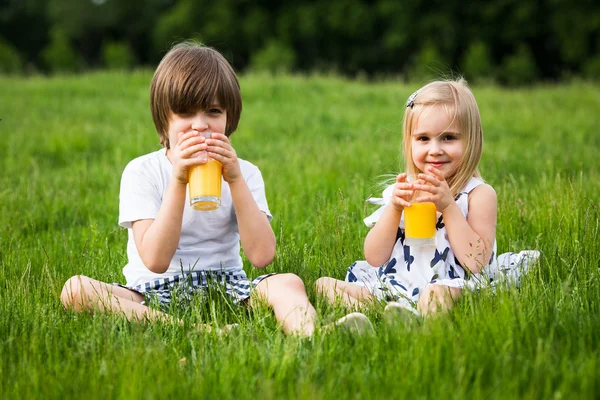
<point>411,99</point>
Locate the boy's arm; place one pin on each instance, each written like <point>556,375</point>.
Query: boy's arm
<point>256,235</point>
<point>157,239</point>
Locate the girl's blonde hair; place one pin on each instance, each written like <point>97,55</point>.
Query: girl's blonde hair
<point>455,97</point>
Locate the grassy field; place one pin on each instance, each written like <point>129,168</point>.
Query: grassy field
<point>323,145</point>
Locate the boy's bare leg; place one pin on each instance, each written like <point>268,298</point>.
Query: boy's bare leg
<point>286,294</point>
<point>352,296</point>
<point>436,298</point>
<point>85,294</point>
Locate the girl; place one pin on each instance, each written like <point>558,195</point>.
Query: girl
<point>442,145</point>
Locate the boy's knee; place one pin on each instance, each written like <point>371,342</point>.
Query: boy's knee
<point>291,281</point>
<point>283,284</point>
<point>73,291</point>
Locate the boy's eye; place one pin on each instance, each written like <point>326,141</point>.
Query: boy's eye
<point>185,114</point>
<point>214,111</point>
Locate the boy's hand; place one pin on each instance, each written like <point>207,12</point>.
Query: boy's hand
<point>435,190</point>
<point>220,148</point>
<point>403,192</point>
<point>184,154</point>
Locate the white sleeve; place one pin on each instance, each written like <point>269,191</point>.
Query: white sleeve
<point>139,198</point>
<point>256,185</point>
<point>372,219</point>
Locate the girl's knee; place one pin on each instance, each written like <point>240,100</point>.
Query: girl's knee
<point>437,298</point>
<point>324,283</point>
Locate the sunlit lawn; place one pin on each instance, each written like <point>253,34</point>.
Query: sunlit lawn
<point>323,145</point>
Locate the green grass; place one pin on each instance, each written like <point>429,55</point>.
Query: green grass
<point>323,145</point>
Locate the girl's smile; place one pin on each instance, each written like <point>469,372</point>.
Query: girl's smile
<point>436,141</point>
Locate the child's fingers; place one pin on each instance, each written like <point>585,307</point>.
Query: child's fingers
<point>189,139</point>
<point>401,177</point>
<point>189,152</point>
<point>436,172</point>
<point>426,188</point>
<point>220,136</point>
<point>434,180</point>
<point>425,199</point>
<point>403,194</point>
<point>404,185</point>
<point>402,202</point>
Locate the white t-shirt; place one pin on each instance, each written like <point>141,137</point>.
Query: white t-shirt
<point>209,239</point>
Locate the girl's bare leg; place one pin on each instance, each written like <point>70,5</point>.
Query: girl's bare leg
<point>436,298</point>
<point>352,296</point>
<point>286,294</point>
<point>81,293</point>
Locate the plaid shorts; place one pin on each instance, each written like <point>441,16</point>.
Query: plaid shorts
<point>183,287</point>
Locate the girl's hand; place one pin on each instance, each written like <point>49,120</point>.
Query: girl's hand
<point>403,192</point>
<point>219,148</point>
<point>183,154</point>
<point>435,190</point>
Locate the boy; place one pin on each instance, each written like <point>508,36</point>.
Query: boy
<point>194,91</point>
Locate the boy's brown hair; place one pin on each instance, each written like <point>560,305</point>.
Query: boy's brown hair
<point>190,78</point>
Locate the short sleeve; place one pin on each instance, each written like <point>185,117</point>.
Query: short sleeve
<point>255,183</point>
<point>139,197</point>
<point>372,219</point>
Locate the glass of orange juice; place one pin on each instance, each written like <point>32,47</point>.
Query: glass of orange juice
<point>419,223</point>
<point>205,182</point>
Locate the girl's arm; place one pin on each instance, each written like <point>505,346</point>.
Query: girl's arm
<point>380,240</point>
<point>472,239</point>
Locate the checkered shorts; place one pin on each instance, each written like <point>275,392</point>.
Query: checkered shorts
<point>183,287</point>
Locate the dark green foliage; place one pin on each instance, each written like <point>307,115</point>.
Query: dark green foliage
<point>117,55</point>
<point>519,68</point>
<point>275,57</point>
<point>59,55</point>
<point>476,65</point>
<point>10,61</point>
<point>352,37</point>
<point>591,68</point>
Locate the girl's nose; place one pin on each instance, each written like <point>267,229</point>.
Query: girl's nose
<point>435,149</point>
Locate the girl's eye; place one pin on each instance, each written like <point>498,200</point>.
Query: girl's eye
<point>449,138</point>
<point>422,138</point>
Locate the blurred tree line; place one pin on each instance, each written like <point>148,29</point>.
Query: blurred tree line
<point>508,41</point>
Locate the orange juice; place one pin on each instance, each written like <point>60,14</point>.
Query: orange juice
<point>205,185</point>
<point>419,221</point>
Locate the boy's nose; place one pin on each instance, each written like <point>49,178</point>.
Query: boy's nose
<point>199,123</point>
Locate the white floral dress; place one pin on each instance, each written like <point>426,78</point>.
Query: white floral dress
<point>411,268</point>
